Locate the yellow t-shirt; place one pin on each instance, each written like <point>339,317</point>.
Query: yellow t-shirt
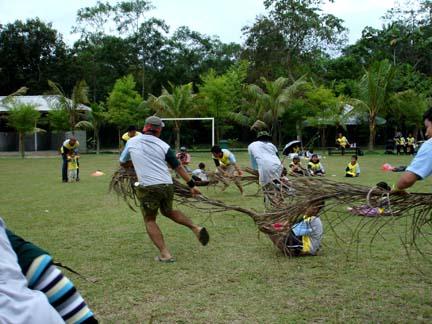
<point>72,163</point>
<point>352,169</point>
<point>126,136</point>
<point>342,141</point>
<point>410,140</point>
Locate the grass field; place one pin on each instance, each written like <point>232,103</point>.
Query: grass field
<point>238,278</point>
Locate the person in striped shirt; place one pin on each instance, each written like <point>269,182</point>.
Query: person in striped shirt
<point>42,275</point>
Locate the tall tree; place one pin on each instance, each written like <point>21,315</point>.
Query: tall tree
<point>124,104</point>
<point>31,52</point>
<point>292,31</point>
<point>222,94</point>
<point>374,93</point>
<point>178,103</point>
<point>272,100</point>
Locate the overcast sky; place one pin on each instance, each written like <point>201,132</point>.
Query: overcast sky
<point>223,18</point>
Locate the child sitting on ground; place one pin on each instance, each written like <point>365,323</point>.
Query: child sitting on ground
<point>296,169</point>
<point>305,236</point>
<point>315,167</point>
<point>200,175</point>
<point>353,168</point>
<point>72,166</point>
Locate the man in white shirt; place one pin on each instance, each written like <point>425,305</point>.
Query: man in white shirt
<point>264,158</point>
<point>150,155</point>
<point>421,166</point>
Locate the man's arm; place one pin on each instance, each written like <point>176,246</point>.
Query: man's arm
<point>176,165</point>
<point>125,155</point>
<point>186,177</point>
<point>407,179</point>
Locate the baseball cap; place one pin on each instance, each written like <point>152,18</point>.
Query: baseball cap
<point>263,134</point>
<point>154,121</point>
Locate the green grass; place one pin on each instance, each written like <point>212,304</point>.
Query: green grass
<point>239,277</point>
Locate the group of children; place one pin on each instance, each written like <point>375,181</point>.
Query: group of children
<point>406,145</point>
<point>315,167</point>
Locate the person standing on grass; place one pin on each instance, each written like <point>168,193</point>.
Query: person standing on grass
<point>410,144</point>
<point>150,155</point>
<point>264,158</point>
<point>226,165</point>
<point>421,166</point>
<point>400,143</point>
<point>342,143</point>
<point>130,132</point>
<point>70,146</point>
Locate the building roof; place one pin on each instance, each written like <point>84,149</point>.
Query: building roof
<point>42,103</point>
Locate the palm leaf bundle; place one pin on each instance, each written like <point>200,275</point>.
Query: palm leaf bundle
<point>415,207</point>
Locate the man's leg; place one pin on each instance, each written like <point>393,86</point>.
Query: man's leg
<point>156,236</point>
<point>77,171</point>
<point>64,168</point>
<point>180,218</point>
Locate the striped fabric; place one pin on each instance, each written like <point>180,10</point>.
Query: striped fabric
<point>60,291</point>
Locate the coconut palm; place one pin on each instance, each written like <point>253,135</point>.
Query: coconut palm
<point>72,106</point>
<point>97,117</point>
<point>272,100</point>
<point>373,94</point>
<point>23,117</point>
<point>179,103</point>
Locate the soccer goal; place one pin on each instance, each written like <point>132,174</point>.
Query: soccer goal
<point>211,119</point>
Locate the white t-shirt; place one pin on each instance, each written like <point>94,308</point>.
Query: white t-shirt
<point>200,174</point>
<point>148,154</point>
<point>18,303</point>
<point>263,156</point>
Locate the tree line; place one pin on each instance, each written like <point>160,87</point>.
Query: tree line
<point>294,68</point>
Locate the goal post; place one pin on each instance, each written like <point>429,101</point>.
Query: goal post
<point>198,118</point>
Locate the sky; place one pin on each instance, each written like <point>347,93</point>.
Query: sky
<point>223,18</point>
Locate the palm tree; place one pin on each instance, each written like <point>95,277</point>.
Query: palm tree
<point>97,117</point>
<point>23,117</point>
<point>272,100</point>
<point>71,106</point>
<point>177,104</point>
<point>374,93</point>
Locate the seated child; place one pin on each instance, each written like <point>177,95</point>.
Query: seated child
<point>296,169</point>
<point>305,236</point>
<point>315,167</point>
<point>200,175</point>
<point>353,168</point>
<point>72,166</point>
<point>184,157</point>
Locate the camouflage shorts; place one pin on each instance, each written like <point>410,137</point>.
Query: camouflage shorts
<point>152,198</point>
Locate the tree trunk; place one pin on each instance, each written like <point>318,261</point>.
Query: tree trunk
<point>119,138</point>
<point>97,140</point>
<point>177,133</point>
<point>177,139</point>
<point>21,144</point>
<point>299,130</point>
<point>372,131</point>
<point>275,133</point>
<point>323,137</point>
